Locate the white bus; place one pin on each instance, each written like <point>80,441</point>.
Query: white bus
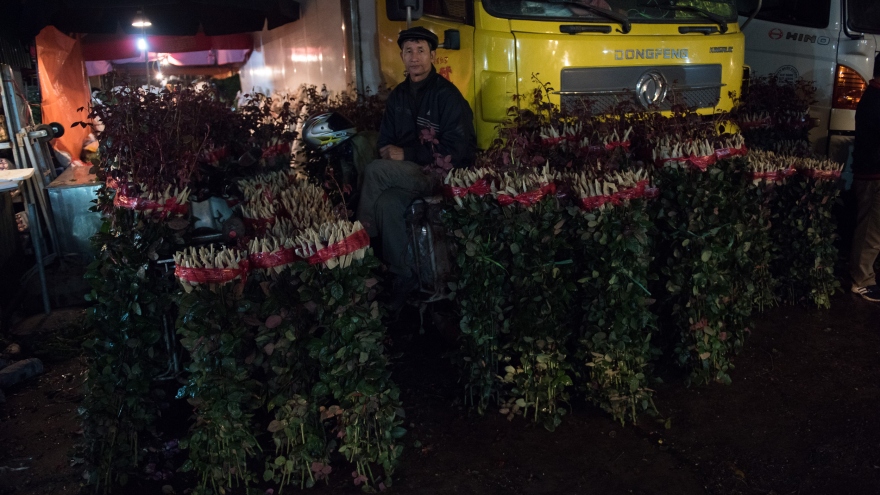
<point>830,42</point>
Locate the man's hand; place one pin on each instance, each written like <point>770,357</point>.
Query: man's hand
<point>391,152</point>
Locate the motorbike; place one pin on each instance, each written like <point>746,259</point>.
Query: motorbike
<point>345,152</point>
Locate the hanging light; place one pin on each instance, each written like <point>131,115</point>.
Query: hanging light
<point>140,20</point>
<point>142,44</point>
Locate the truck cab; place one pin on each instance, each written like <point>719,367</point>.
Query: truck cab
<point>830,42</point>
<point>655,52</point>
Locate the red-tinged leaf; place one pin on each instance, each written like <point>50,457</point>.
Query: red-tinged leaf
<point>269,348</point>
<point>273,321</point>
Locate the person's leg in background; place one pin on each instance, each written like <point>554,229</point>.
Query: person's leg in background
<point>866,240</point>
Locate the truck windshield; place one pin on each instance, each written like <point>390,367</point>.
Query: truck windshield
<point>673,11</point>
<point>863,16</point>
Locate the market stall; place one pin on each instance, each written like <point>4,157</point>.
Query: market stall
<point>587,248</point>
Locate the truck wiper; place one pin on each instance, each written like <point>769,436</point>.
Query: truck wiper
<point>625,25</point>
<point>722,24</point>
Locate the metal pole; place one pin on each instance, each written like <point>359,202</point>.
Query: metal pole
<point>13,123</point>
<point>10,108</point>
<point>36,239</point>
<point>39,190</point>
<point>146,46</point>
<point>41,148</point>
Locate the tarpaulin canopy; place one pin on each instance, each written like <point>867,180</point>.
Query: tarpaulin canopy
<point>121,46</point>
<point>168,17</point>
<point>204,62</point>
<point>207,55</point>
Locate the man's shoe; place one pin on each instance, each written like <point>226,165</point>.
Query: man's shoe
<point>869,293</point>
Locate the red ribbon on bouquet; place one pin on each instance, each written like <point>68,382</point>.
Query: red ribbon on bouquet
<point>350,244</point>
<point>480,188</point>
<point>640,190</point>
<point>820,174</point>
<point>283,256</point>
<point>170,206</point>
<point>213,275</point>
<point>527,198</point>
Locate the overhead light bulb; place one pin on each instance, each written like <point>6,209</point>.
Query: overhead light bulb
<point>141,20</point>
<point>142,44</point>
<point>159,75</point>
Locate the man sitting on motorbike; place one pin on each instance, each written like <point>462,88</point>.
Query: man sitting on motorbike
<point>426,121</point>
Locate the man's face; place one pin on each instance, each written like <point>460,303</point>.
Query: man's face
<point>417,57</point>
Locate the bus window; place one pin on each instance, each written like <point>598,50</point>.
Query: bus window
<point>452,9</point>
<point>809,13</point>
<point>863,16</point>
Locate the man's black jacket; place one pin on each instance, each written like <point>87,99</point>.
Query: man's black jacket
<point>866,153</point>
<point>443,108</point>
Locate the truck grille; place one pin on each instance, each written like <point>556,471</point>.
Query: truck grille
<point>656,87</point>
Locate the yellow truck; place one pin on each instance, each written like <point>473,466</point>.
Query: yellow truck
<point>657,52</point>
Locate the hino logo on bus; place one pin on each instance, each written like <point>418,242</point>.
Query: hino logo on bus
<point>776,34</point>
<point>651,88</point>
<point>650,53</point>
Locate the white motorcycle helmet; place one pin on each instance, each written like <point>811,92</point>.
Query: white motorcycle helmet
<point>326,131</point>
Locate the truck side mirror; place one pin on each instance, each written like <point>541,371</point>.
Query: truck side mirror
<point>751,15</point>
<point>451,40</point>
<point>397,10</point>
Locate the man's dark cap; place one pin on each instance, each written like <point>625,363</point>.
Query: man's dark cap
<point>418,33</point>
